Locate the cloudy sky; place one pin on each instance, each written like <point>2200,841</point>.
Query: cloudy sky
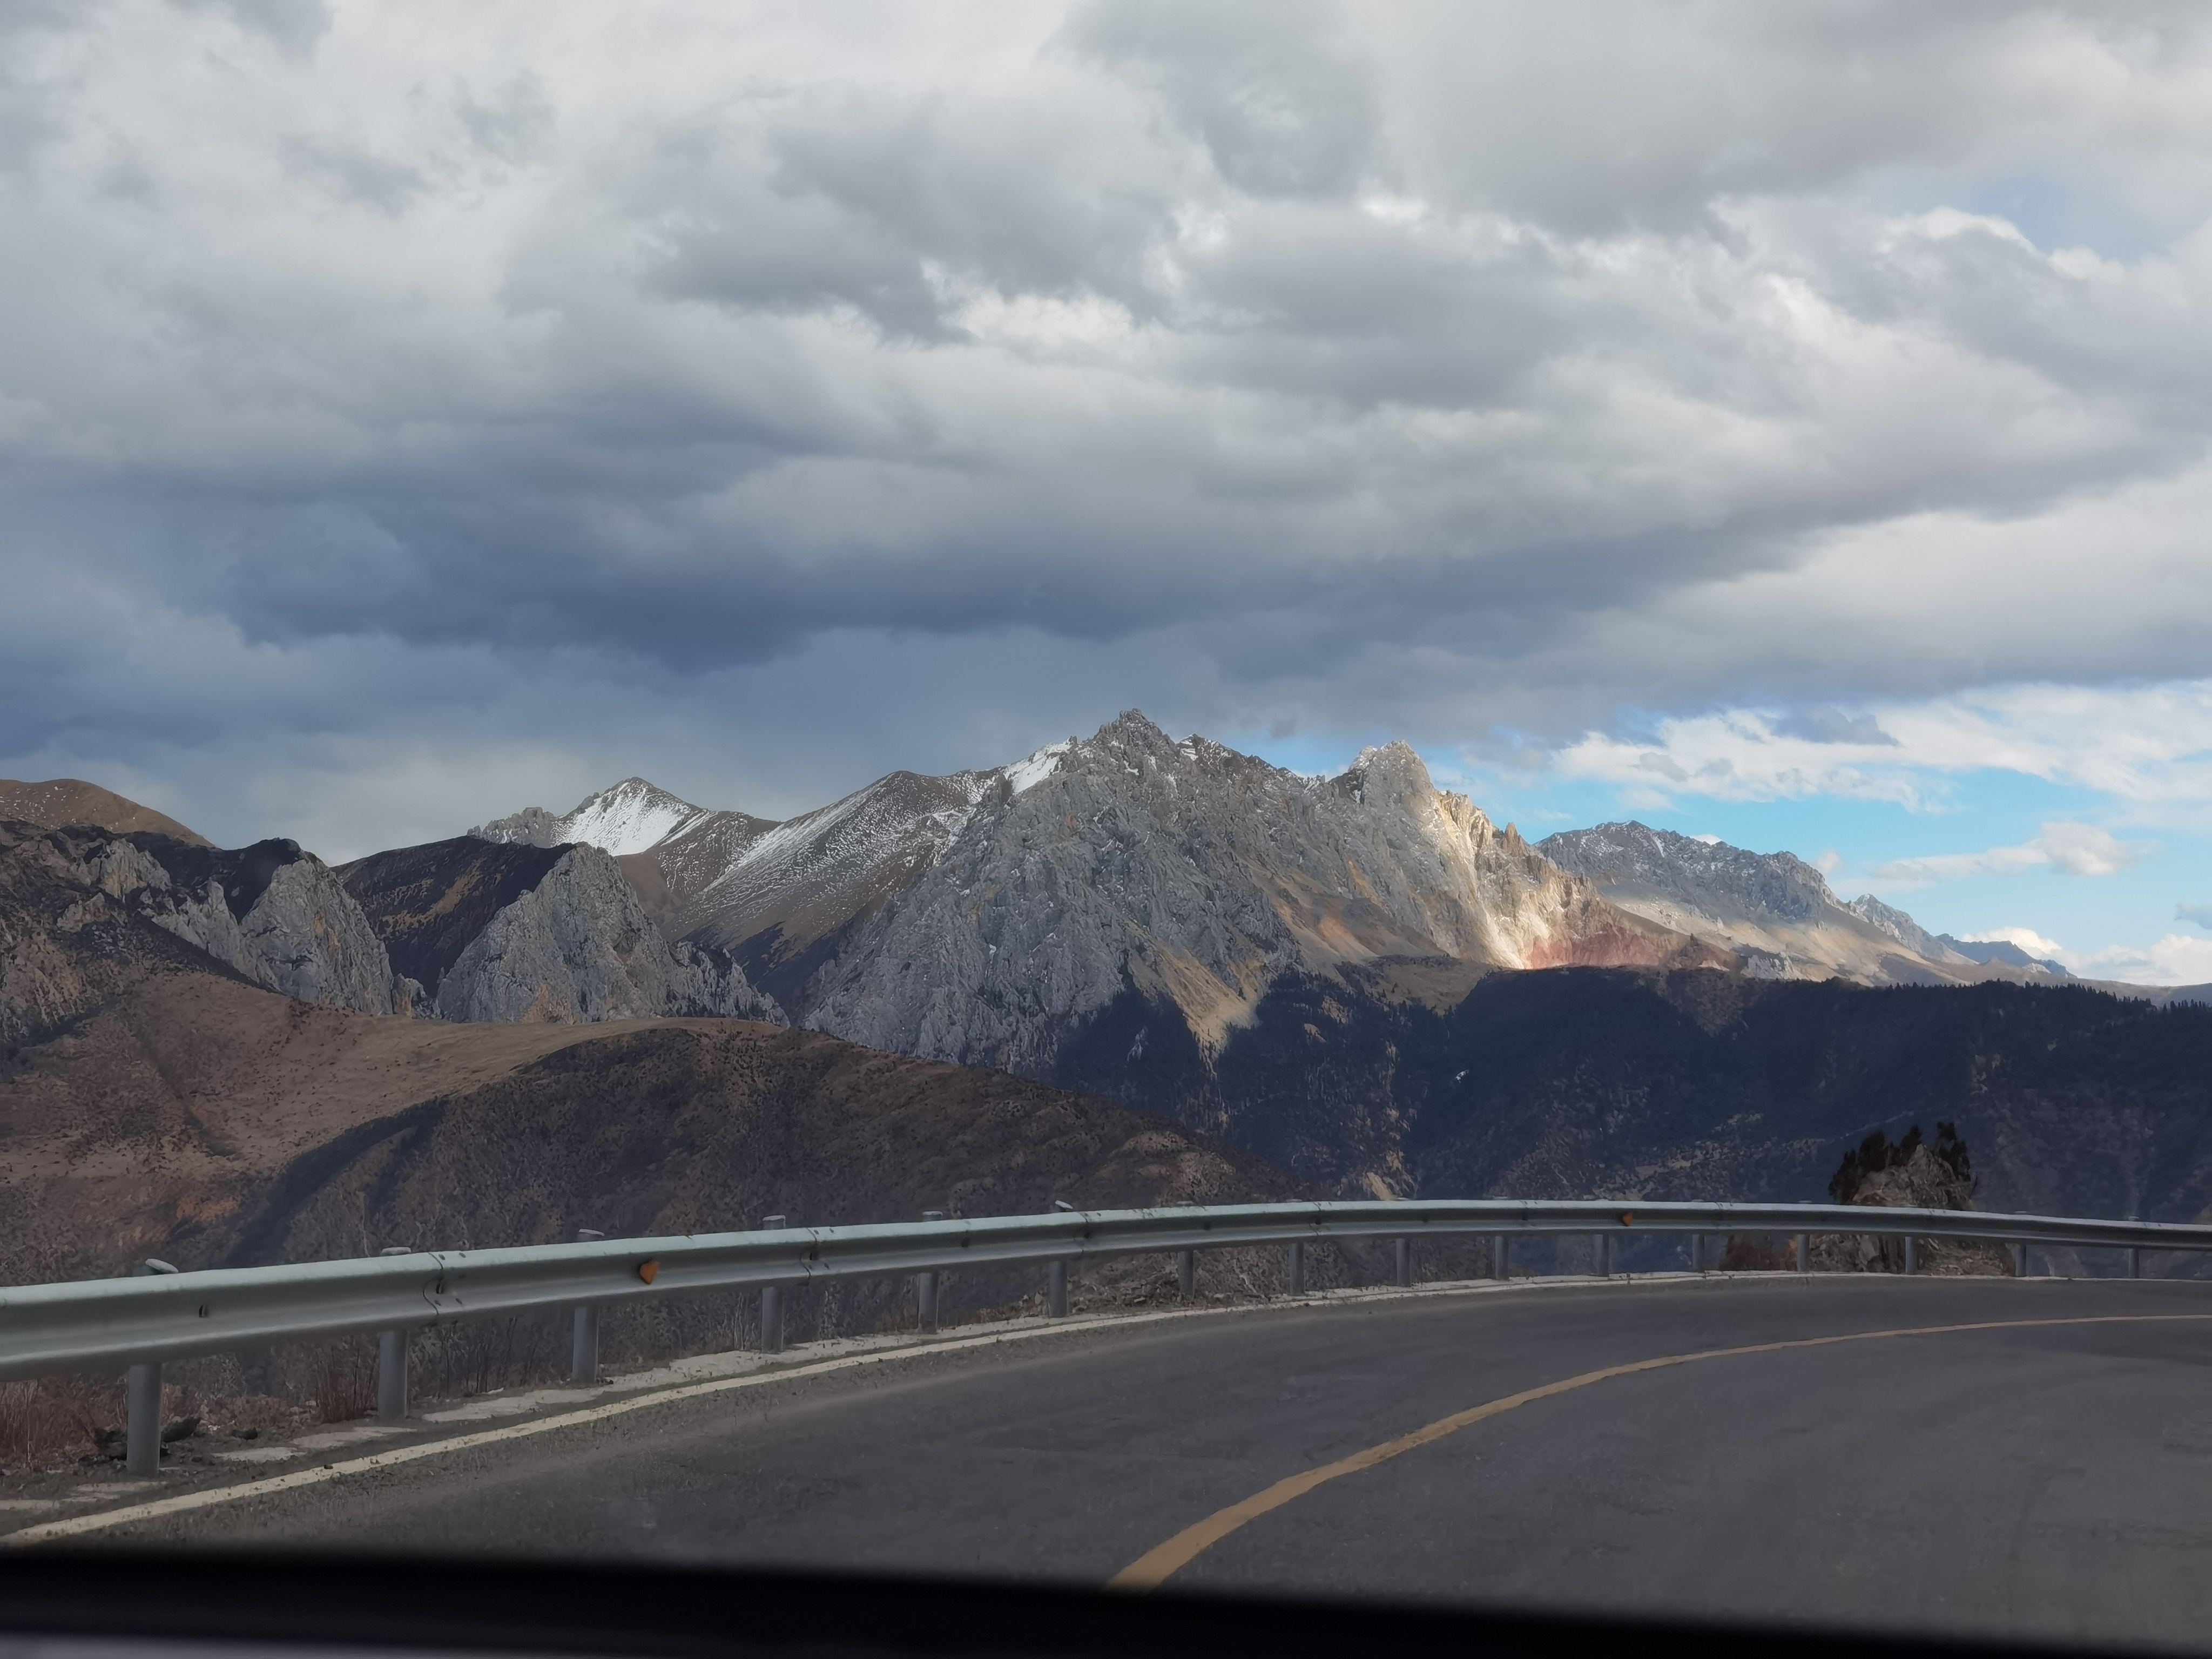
<point>1782,423</point>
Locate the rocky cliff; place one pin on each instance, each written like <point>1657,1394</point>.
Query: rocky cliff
<point>277,914</point>
<point>71,939</point>
<point>1912,1174</point>
<point>1196,877</point>
<point>512,931</point>
<point>270,913</point>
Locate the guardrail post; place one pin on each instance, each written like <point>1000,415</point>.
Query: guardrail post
<point>771,1302</point>
<point>1605,1261</point>
<point>2020,1259</point>
<point>925,1286</point>
<point>392,1361</point>
<point>1294,1267</point>
<point>2135,1261</point>
<point>142,1400</point>
<point>1404,1262</point>
<point>584,1338</point>
<point>392,1374</point>
<point>1912,1253</point>
<point>1186,1272</point>
<point>142,1431</point>
<point>1056,1290</point>
<point>1501,1257</point>
<point>1804,1253</point>
<point>1697,1252</point>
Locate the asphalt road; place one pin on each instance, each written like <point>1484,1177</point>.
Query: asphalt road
<point>2053,1478</point>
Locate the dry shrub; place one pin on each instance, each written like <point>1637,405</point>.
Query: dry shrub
<point>50,1422</point>
<point>345,1380</point>
<point>480,1356</point>
<point>1757,1256</point>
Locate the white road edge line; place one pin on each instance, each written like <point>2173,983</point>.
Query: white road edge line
<point>77,1526</point>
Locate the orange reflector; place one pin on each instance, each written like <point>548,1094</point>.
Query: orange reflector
<point>1627,1219</point>
<point>648,1271</point>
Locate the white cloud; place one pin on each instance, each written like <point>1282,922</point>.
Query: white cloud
<point>2071,849</point>
<point>2149,747</point>
<point>2199,914</point>
<point>2027,937</point>
<point>1391,368</point>
<point>2176,959</point>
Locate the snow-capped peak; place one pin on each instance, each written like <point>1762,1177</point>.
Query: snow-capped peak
<point>1026,774</point>
<point>630,818</point>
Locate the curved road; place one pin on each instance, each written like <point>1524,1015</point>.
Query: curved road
<point>2051,1476</point>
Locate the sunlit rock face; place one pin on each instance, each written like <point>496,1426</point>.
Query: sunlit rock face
<point>1127,914</point>
<point>1195,877</point>
<point>1772,909</point>
<point>510,931</point>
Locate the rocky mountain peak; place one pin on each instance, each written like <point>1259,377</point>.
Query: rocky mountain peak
<point>1901,928</point>
<point>1774,908</point>
<point>1389,775</point>
<point>630,817</point>
<point>1194,876</point>
<point>1710,872</point>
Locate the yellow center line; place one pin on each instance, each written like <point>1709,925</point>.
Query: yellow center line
<point>1160,1563</point>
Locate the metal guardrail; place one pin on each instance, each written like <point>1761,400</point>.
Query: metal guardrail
<point>161,1314</point>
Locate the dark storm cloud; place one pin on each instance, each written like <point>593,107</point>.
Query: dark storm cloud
<point>1429,368</point>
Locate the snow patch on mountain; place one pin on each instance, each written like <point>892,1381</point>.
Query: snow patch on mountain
<point>1026,774</point>
<point>632,816</point>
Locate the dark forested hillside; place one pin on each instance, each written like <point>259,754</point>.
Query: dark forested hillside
<point>1576,1080</point>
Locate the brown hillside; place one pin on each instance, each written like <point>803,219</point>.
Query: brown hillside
<point>60,802</point>
<point>212,1123</point>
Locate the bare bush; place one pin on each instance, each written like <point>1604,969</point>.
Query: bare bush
<point>1757,1255</point>
<point>50,1422</point>
<point>345,1380</point>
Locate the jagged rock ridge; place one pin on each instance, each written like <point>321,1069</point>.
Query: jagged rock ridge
<point>79,898</point>
<point>1774,908</point>
<point>1196,877</point>
<point>513,931</point>
<point>992,916</point>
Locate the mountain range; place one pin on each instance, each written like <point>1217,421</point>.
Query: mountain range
<point>1361,979</point>
<point>160,1097</point>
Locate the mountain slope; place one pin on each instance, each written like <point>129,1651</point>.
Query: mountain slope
<point>1773,908</point>
<point>189,1116</point>
<point>2075,1102</point>
<point>1011,917</point>
<point>76,905</point>
<point>60,802</point>
<point>1193,877</point>
<point>495,930</point>
<point>792,897</point>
